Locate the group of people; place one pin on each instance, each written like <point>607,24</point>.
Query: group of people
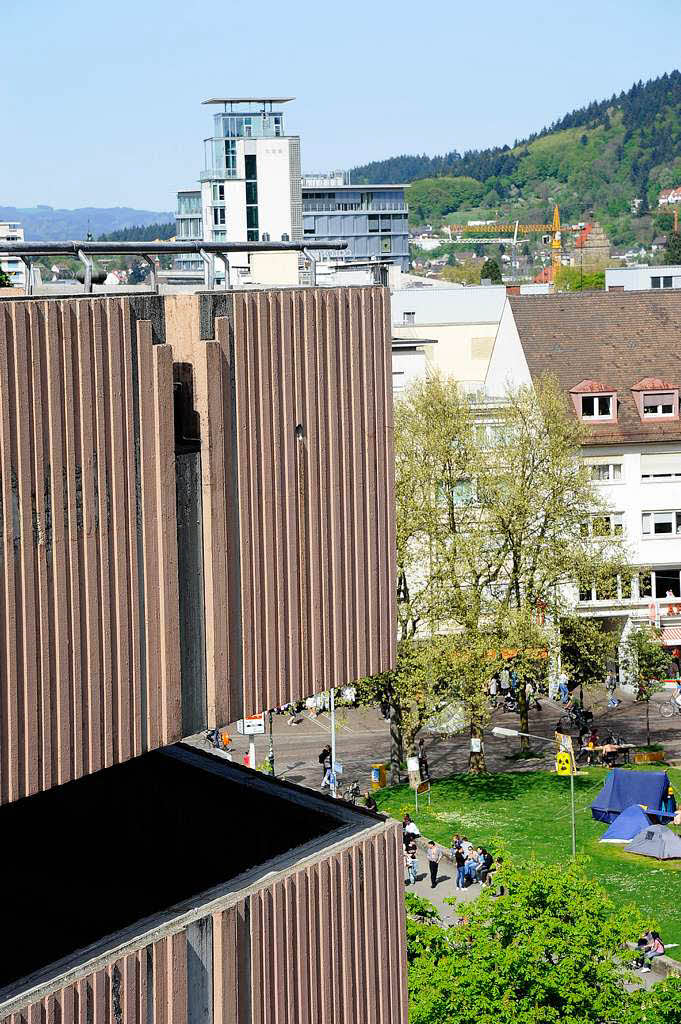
<point>474,864</point>
<point>506,685</point>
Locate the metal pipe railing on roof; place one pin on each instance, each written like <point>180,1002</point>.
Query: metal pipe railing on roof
<point>157,248</point>
<point>28,251</point>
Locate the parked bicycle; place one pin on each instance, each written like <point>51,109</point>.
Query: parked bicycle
<point>669,708</point>
<point>351,793</point>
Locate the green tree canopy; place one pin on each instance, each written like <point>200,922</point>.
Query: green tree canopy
<point>647,663</point>
<point>552,949</point>
<point>585,649</point>
<point>672,253</point>
<point>491,270</point>
<point>5,281</point>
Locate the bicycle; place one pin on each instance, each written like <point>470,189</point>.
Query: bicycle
<point>351,793</point>
<point>669,708</point>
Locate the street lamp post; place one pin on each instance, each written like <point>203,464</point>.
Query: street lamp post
<point>499,731</point>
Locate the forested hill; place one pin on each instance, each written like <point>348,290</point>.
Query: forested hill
<point>593,161</point>
<point>46,224</point>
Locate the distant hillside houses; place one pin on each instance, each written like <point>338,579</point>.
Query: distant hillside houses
<point>668,196</point>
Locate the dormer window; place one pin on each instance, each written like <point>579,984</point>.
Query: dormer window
<point>656,399</point>
<point>594,401</point>
<point>597,407</point>
<point>660,403</point>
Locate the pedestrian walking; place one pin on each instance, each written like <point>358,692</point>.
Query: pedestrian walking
<point>563,691</point>
<point>434,858</point>
<point>325,762</point>
<point>411,863</point>
<point>504,683</point>
<point>423,761</point>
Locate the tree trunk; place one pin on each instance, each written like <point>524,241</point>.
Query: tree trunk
<point>524,716</point>
<point>476,759</point>
<point>648,722</point>
<point>395,744</point>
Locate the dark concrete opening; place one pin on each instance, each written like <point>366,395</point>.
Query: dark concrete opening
<point>92,857</point>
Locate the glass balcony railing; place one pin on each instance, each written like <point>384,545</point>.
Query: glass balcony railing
<point>219,173</point>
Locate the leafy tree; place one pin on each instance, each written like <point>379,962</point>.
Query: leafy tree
<point>551,948</point>
<point>5,281</point>
<point>490,529</point>
<point>574,279</point>
<point>585,649</point>
<point>647,663</point>
<point>490,269</point>
<point>141,233</point>
<point>672,253</point>
<point>463,273</point>
<point>658,1005</point>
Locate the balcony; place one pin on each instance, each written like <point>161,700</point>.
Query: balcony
<point>219,173</point>
<point>319,206</point>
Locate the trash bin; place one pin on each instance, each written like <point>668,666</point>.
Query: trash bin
<point>377,776</point>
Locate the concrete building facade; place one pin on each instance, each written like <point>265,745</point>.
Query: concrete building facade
<point>196,523</point>
<point>10,231</point>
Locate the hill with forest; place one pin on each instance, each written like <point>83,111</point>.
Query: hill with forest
<point>608,161</point>
<point>46,224</point>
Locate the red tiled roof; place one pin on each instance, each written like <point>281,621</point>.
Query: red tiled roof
<point>595,386</point>
<point>612,337</point>
<point>544,276</point>
<point>652,384</point>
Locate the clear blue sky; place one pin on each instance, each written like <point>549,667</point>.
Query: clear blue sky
<point>101,100</point>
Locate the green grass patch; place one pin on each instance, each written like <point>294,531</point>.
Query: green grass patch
<point>529,812</point>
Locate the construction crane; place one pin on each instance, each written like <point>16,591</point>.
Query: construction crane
<point>554,229</point>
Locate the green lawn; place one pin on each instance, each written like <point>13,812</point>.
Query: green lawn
<point>530,813</point>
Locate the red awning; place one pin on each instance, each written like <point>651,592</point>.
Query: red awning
<point>671,636</point>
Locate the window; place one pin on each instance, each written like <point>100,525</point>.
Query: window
<point>219,215</point>
<point>655,282</point>
<point>386,245</point>
<point>661,523</point>
<point>252,235</point>
<point>661,467</point>
<point>408,318</point>
<point>386,223</point>
<point>597,407</point>
<point>251,167</point>
<point>219,236</point>
<point>667,583</point>
<point>251,193</point>
<point>660,403</point>
<point>605,524</point>
<point>218,193</point>
<point>251,216</point>
<point>606,472</point>
<point>373,223</point>
<point>645,585</point>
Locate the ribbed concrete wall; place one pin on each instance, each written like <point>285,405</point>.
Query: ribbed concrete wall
<point>89,667</point>
<point>320,945</point>
<point>326,944</point>
<point>148,986</point>
<point>296,396</point>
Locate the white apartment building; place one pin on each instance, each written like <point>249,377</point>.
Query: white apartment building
<point>250,185</point>
<point>642,278</point>
<point>12,232</point>
<point>618,358</point>
<point>462,322</point>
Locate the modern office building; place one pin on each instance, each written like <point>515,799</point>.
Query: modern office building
<point>372,219</point>
<point>250,185</point>
<point>194,518</point>
<point>251,189</point>
<point>10,231</point>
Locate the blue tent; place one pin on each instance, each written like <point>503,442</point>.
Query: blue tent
<point>624,787</point>
<point>626,825</point>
